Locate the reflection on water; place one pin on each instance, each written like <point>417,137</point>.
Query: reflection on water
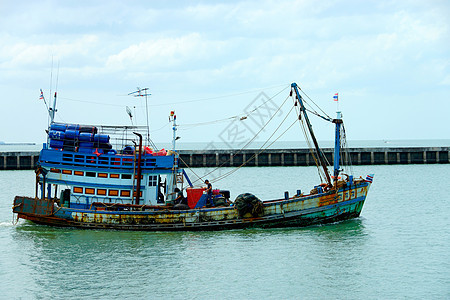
<point>82,261</point>
<point>398,248</point>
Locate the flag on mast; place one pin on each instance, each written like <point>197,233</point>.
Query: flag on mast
<point>335,97</point>
<point>41,97</point>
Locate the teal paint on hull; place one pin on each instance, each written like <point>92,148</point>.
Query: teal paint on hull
<point>133,220</point>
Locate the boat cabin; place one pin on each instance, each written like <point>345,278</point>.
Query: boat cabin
<point>80,166</point>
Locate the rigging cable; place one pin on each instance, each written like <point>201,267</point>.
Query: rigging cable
<point>251,140</point>
<point>254,154</point>
<point>240,116</point>
<point>329,118</point>
<point>321,173</point>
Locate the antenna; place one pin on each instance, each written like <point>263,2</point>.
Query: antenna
<point>143,93</point>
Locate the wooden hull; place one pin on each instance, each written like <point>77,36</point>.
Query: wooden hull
<point>302,211</point>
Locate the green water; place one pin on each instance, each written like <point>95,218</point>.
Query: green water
<point>398,248</point>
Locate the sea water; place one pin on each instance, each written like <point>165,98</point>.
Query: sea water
<point>398,248</point>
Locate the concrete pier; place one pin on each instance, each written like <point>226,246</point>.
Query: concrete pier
<point>303,157</point>
<point>18,160</point>
<point>272,157</point>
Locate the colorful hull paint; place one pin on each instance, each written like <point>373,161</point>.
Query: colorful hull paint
<point>295,212</point>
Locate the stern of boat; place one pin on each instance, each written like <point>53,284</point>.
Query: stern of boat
<point>27,207</point>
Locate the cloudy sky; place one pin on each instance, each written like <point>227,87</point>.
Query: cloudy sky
<point>209,60</point>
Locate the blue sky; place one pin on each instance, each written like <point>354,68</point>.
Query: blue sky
<point>389,61</point>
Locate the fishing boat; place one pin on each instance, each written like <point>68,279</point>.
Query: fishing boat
<point>85,181</point>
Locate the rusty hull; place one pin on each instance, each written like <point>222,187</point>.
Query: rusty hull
<point>295,212</point>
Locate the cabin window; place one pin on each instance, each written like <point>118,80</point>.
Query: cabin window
<point>55,170</point>
<point>78,173</point>
<point>140,194</point>
<point>153,180</point>
<point>101,192</point>
<point>89,191</point>
<point>125,193</point>
<point>78,190</point>
<point>113,175</point>
<point>180,178</point>
<point>67,172</point>
<point>102,175</point>
<point>90,174</point>
<point>135,177</point>
<point>126,176</point>
<point>113,193</point>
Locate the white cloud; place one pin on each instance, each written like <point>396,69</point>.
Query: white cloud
<point>21,54</point>
<point>161,53</point>
<point>373,47</point>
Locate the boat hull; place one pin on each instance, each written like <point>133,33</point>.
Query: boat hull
<point>299,211</point>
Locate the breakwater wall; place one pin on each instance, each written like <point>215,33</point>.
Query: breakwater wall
<point>272,157</point>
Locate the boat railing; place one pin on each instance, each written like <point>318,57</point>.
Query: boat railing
<point>114,161</point>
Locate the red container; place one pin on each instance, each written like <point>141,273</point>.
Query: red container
<point>193,195</point>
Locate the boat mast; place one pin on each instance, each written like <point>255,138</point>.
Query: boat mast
<point>313,137</point>
<point>337,144</point>
<point>139,171</point>
<point>173,118</point>
<point>52,110</point>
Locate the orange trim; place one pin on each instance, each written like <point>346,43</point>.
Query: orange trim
<point>113,193</point>
<point>101,192</point>
<point>125,193</point>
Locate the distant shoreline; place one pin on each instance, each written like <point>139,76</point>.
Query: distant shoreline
<point>17,144</point>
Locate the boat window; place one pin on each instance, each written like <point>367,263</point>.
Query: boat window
<point>153,180</point>
<point>90,174</point>
<point>67,172</point>
<point>113,193</point>
<point>55,170</point>
<point>89,191</point>
<point>114,176</point>
<point>78,190</point>
<point>124,193</point>
<point>126,176</point>
<point>102,175</point>
<point>140,194</point>
<point>78,173</point>
<point>101,192</point>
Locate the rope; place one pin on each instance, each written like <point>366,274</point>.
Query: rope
<point>244,163</point>
<point>198,177</point>
<point>14,222</point>
<point>329,118</point>
<point>249,142</point>
<point>241,116</point>
<point>348,158</point>
<point>18,205</point>
<point>308,142</point>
